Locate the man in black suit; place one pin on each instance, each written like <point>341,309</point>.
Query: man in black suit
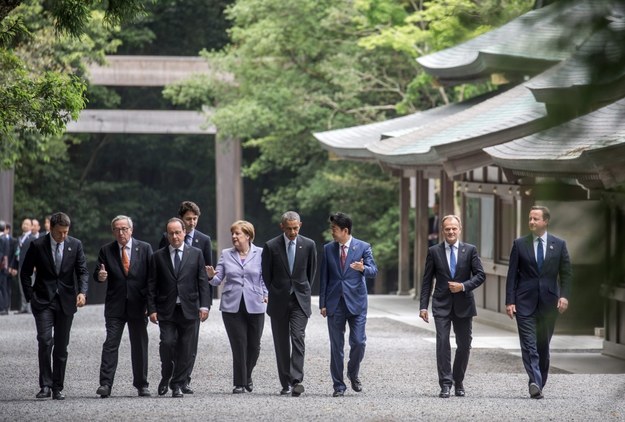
<point>124,264</point>
<point>289,264</point>
<point>458,271</point>
<point>60,287</point>
<point>189,213</point>
<point>537,287</point>
<point>178,296</point>
<point>23,243</point>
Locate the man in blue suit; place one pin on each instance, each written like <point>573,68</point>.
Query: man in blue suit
<point>458,271</point>
<point>347,262</point>
<point>534,295</point>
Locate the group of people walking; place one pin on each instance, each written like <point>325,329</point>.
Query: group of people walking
<point>172,287</point>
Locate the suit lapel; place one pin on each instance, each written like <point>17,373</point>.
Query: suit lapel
<point>47,247</point>
<point>235,256</point>
<point>283,256</point>
<point>442,255</point>
<point>529,249</point>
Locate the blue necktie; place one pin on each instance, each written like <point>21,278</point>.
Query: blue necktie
<point>176,261</point>
<point>452,261</point>
<point>540,255</point>
<point>291,255</point>
<point>188,240</point>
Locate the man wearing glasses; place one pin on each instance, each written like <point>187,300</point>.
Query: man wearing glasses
<point>123,265</point>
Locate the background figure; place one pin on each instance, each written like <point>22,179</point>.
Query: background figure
<point>23,243</point>
<point>178,295</point>
<point>124,265</point>
<point>534,296</point>
<point>243,301</point>
<point>433,226</point>
<point>346,264</point>
<point>5,246</point>
<point>189,213</point>
<point>289,266</point>
<point>54,297</point>
<point>35,227</point>
<point>458,271</point>
<point>12,274</point>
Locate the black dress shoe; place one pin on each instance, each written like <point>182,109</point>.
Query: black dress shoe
<point>285,391</point>
<point>44,393</point>
<point>186,389</point>
<point>338,393</point>
<point>444,394</point>
<point>104,391</point>
<point>143,392</point>
<point>250,386</point>
<point>459,391</point>
<point>177,392</point>
<point>163,387</point>
<point>535,391</point>
<point>58,395</point>
<point>239,389</point>
<point>356,384</point>
<point>298,389</point>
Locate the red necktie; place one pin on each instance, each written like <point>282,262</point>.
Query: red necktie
<point>343,256</point>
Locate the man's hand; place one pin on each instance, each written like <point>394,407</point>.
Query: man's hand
<point>455,287</point>
<point>358,265</point>
<point>423,314</point>
<point>203,315</point>
<point>323,312</point>
<point>81,300</point>
<point>154,318</point>
<point>102,274</point>
<point>563,304</point>
<point>511,310</point>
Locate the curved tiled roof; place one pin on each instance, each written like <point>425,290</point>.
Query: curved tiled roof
<point>528,44</point>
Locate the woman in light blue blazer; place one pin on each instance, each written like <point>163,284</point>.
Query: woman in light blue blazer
<point>243,301</point>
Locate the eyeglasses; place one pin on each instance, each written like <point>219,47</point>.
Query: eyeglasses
<point>121,229</point>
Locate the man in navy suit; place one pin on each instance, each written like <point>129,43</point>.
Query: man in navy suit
<point>189,213</point>
<point>347,262</point>
<point>458,271</point>
<point>534,295</point>
<point>178,297</point>
<point>60,287</point>
<point>289,264</point>
<point>123,265</point>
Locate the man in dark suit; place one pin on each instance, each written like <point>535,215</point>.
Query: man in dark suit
<point>346,263</point>
<point>289,264</point>
<point>124,264</point>
<point>60,287</point>
<point>178,296</point>
<point>458,271</point>
<point>189,213</point>
<point>5,245</point>
<point>534,295</point>
<point>23,243</point>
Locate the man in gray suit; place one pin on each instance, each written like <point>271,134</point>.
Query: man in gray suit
<point>178,296</point>
<point>458,271</point>
<point>289,264</point>
<point>534,296</point>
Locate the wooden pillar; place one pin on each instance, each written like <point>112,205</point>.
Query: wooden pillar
<point>229,193</point>
<point>447,206</point>
<point>403,282</point>
<point>7,178</point>
<point>421,230</point>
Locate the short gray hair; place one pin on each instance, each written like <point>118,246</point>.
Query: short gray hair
<point>121,217</point>
<point>290,216</point>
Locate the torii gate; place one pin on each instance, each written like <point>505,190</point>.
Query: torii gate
<point>157,71</point>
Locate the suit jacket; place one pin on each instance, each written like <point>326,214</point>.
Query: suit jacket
<point>126,295</point>
<point>72,279</point>
<point>241,281</point>
<point>278,278</point>
<point>346,282</point>
<point>190,284</point>
<point>203,243</point>
<point>531,290</point>
<point>469,272</point>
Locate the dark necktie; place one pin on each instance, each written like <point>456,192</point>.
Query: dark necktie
<point>452,261</point>
<point>540,255</point>
<point>176,260</point>
<point>125,260</point>
<point>58,258</point>
<point>291,255</point>
<point>188,240</point>
<point>343,256</point>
